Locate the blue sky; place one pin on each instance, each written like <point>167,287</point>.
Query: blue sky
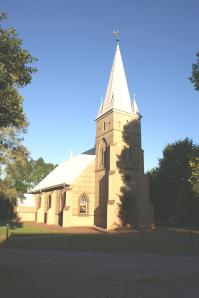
<point>75,47</point>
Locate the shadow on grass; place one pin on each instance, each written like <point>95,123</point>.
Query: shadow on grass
<point>149,243</point>
<point>12,224</point>
<point>6,229</point>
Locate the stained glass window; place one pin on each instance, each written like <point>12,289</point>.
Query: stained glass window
<point>83,205</point>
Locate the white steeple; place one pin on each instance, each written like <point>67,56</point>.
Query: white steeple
<point>117,94</point>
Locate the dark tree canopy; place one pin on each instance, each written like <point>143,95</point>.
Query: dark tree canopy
<point>195,73</point>
<point>15,71</point>
<point>173,184</point>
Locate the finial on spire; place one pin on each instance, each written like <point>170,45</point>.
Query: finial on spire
<point>117,36</point>
<point>70,155</point>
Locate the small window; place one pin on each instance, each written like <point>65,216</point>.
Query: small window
<point>104,126</point>
<point>49,202</point>
<point>102,156</point>
<point>130,155</point>
<point>39,202</point>
<point>64,199</point>
<point>127,178</point>
<point>83,205</point>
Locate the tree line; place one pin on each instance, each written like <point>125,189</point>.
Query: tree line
<point>174,185</point>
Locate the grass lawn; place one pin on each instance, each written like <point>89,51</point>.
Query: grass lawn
<point>164,241</point>
<point>25,230</point>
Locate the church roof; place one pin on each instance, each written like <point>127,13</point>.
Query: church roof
<point>65,173</point>
<point>117,93</point>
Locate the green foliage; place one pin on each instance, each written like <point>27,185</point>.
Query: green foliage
<point>15,72</point>
<point>125,208</point>
<point>24,173</point>
<point>40,170</point>
<point>194,178</point>
<point>18,171</point>
<point>13,157</point>
<point>195,73</point>
<point>6,209</point>
<point>20,174</point>
<point>175,201</point>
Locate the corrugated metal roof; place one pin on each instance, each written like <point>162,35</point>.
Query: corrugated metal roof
<point>65,173</point>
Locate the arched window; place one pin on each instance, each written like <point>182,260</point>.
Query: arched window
<point>103,153</point>
<point>62,201</point>
<point>83,205</point>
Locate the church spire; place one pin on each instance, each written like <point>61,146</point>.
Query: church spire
<point>135,109</point>
<point>117,94</point>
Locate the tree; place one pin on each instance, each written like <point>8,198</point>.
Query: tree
<point>18,171</point>
<point>12,152</point>
<point>15,72</point>
<point>20,174</point>
<point>195,73</point>
<point>39,170</point>
<point>13,156</point>
<point>24,173</point>
<point>194,178</point>
<point>171,191</point>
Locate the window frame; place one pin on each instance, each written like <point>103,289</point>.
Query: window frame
<point>103,155</point>
<point>86,204</point>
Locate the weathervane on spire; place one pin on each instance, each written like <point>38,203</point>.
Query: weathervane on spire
<point>117,35</point>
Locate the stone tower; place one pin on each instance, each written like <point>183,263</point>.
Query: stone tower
<point>119,170</point>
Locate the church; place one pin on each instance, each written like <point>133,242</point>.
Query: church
<point>104,186</point>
